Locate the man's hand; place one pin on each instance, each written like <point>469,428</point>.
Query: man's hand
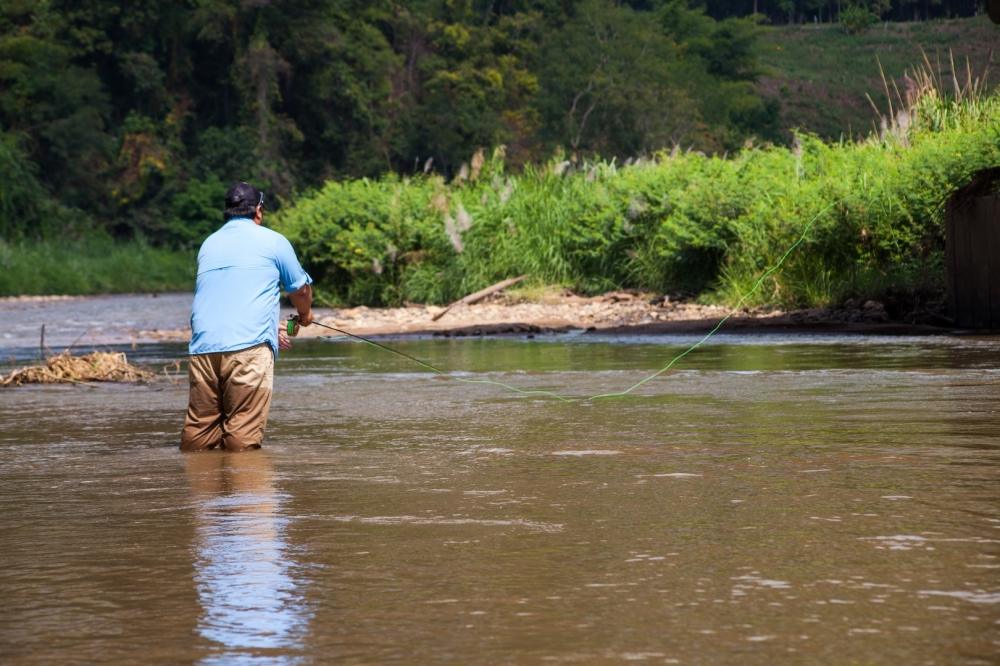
<point>307,318</point>
<point>284,342</point>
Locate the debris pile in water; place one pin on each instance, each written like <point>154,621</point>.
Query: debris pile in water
<point>65,367</point>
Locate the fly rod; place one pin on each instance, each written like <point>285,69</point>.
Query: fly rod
<point>293,328</point>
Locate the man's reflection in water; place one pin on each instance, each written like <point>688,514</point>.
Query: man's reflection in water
<point>252,605</point>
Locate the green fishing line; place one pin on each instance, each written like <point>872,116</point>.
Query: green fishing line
<point>616,394</point>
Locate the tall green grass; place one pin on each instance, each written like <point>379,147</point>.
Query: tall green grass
<point>92,266</point>
<point>680,222</point>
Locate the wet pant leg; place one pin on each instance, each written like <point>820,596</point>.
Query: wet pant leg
<point>203,422</point>
<point>247,384</point>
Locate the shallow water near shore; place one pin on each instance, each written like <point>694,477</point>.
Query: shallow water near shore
<point>795,499</point>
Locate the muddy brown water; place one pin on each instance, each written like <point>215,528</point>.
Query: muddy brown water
<point>792,499</point>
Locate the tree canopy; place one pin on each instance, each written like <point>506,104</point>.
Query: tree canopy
<point>134,116</point>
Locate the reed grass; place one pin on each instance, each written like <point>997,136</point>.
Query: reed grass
<point>679,222</point>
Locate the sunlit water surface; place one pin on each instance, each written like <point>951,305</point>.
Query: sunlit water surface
<point>775,500</point>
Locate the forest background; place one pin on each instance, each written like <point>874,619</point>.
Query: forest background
<point>121,125</point>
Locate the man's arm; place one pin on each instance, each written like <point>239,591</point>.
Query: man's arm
<point>302,300</point>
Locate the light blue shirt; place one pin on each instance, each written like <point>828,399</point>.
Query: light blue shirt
<point>236,293</point>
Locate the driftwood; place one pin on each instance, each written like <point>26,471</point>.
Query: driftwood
<point>475,297</point>
<point>64,367</point>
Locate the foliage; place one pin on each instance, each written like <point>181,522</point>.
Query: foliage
<point>22,197</point>
<point>97,265</point>
<point>129,121</point>
<point>193,214</point>
<point>681,222</point>
<point>856,18</point>
<point>820,75</point>
<point>825,11</point>
<point>128,118</point>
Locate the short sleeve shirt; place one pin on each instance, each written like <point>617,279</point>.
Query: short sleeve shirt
<point>241,268</point>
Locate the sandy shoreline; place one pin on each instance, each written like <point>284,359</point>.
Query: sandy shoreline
<point>616,313</point>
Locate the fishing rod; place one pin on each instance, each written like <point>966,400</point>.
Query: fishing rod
<point>293,329</point>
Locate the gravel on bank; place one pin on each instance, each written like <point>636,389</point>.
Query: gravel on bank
<point>620,312</point>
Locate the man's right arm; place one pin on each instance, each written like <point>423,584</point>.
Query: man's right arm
<point>302,300</point>
<point>293,277</point>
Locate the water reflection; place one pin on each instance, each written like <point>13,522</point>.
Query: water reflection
<point>253,609</point>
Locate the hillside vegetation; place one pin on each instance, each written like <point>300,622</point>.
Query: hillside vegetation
<point>131,119</point>
<point>822,76</point>
<point>122,125</point>
<point>682,222</point>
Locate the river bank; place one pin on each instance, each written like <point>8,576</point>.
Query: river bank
<point>88,321</point>
<point>619,312</point>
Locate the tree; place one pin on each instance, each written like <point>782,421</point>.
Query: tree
<point>464,81</point>
<point>612,83</point>
<point>52,111</point>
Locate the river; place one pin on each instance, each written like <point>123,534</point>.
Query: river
<point>795,499</point>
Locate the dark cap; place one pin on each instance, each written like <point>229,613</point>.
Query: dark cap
<point>244,195</point>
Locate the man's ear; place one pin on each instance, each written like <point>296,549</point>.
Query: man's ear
<point>258,215</point>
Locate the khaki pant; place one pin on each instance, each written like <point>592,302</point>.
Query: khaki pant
<point>229,399</point>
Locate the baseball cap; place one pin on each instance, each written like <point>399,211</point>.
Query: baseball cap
<point>244,195</point>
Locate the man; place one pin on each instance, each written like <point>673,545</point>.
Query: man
<point>234,325</point>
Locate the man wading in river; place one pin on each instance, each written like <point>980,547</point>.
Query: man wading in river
<point>234,325</point>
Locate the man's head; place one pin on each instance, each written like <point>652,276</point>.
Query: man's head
<point>244,200</point>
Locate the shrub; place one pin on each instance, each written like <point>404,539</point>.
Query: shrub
<point>856,19</point>
<point>678,222</point>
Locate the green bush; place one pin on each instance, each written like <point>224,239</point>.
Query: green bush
<point>680,222</point>
<point>195,212</point>
<point>855,19</point>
